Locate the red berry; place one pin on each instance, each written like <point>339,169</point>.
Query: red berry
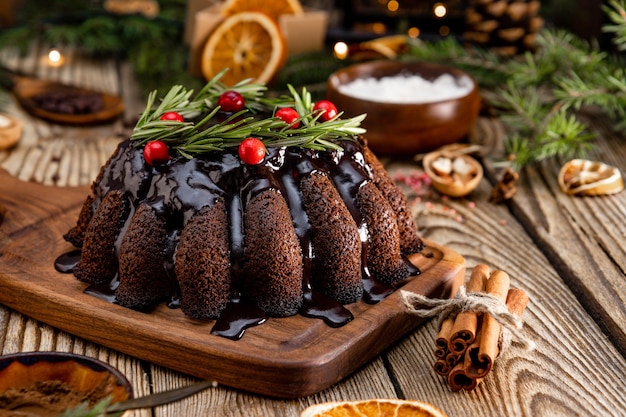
<point>156,153</point>
<point>289,116</point>
<point>173,116</point>
<point>231,101</point>
<point>251,151</point>
<point>329,109</point>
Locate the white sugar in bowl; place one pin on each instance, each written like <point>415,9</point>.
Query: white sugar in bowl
<point>411,107</point>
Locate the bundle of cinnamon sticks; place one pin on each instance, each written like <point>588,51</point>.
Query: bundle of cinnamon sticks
<point>468,344</point>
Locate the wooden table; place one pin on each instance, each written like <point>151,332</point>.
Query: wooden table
<point>567,252</point>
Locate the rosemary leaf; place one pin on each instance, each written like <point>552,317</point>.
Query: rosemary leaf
<point>210,134</point>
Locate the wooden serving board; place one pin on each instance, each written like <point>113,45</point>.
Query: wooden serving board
<point>286,357</point>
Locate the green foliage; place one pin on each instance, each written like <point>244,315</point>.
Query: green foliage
<point>488,68</point>
<point>539,95</point>
<point>97,410</point>
<point>190,138</point>
<point>309,69</point>
<point>154,47</point>
<point>616,11</point>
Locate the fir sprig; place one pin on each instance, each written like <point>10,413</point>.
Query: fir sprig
<point>192,137</point>
<point>539,96</point>
<point>616,11</point>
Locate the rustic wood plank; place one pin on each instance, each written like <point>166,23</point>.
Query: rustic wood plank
<point>581,366</point>
<point>370,382</point>
<point>582,236</point>
<point>22,334</point>
<point>39,155</point>
<point>571,372</point>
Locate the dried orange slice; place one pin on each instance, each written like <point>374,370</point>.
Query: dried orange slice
<point>272,8</point>
<point>584,177</point>
<point>373,408</point>
<point>249,44</point>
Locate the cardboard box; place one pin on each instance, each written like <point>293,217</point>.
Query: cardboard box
<point>303,33</point>
<point>193,7</point>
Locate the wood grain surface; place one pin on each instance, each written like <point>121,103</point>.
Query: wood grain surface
<point>566,252</point>
<point>287,357</point>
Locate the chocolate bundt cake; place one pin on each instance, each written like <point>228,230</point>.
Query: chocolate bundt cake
<point>314,223</point>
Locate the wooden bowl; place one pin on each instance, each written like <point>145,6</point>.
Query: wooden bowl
<point>10,131</point>
<point>26,90</point>
<point>51,382</point>
<point>407,128</point>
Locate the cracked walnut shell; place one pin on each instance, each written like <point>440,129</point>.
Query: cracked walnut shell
<point>452,171</point>
<point>584,177</point>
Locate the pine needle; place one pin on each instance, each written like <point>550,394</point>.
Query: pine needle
<point>539,96</point>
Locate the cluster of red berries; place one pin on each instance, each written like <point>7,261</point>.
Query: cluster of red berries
<point>251,150</point>
<point>156,152</point>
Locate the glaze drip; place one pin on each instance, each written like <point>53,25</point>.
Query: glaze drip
<point>181,188</point>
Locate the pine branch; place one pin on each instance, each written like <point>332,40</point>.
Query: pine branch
<point>616,11</point>
<point>544,91</point>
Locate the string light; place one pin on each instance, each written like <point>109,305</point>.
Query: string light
<point>379,27</point>
<point>55,58</point>
<point>413,32</point>
<point>393,6</point>
<point>341,50</point>
<point>440,10</point>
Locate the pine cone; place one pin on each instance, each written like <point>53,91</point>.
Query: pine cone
<point>508,27</point>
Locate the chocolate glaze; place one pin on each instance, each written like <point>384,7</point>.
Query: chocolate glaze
<point>236,318</point>
<point>66,262</point>
<point>183,186</point>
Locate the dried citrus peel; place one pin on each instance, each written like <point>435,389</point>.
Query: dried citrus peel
<point>373,408</point>
<point>272,8</point>
<point>585,177</point>
<point>250,44</point>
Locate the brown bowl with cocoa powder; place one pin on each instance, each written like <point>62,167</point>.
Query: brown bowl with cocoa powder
<point>48,383</point>
<point>416,123</point>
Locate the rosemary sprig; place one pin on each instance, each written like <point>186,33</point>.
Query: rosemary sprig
<point>208,134</point>
<point>97,410</point>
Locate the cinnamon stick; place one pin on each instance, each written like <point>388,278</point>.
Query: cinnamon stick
<point>441,367</point>
<point>452,359</point>
<point>459,380</point>
<point>516,302</point>
<point>443,338</point>
<point>481,361</point>
<point>466,322</point>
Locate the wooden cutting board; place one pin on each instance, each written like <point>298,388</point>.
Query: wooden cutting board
<point>284,357</point>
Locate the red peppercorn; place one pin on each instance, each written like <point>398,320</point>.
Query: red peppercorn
<point>231,101</point>
<point>327,107</point>
<point>290,116</point>
<point>156,153</point>
<point>251,151</point>
<point>173,116</point>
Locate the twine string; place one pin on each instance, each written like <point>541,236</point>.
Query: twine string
<point>463,301</point>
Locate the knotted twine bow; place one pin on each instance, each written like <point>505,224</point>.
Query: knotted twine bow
<point>478,302</point>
